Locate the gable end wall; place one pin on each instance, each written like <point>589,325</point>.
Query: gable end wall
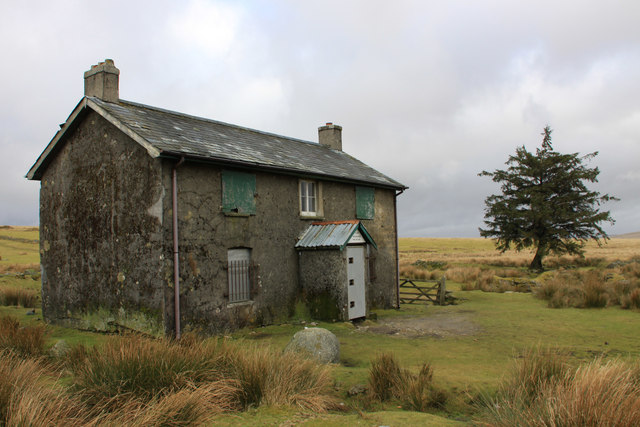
<point>100,232</point>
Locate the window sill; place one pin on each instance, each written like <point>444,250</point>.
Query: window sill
<point>314,217</point>
<point>237,214</point>
<point>239,304</point>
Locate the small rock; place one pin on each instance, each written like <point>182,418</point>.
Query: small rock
<point>357,389</point>
<point>59,349</point>
<point>317,343</point>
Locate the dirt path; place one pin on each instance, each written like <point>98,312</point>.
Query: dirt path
<point>437,325</point>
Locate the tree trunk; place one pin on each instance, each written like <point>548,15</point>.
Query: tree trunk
<point>536,264</point>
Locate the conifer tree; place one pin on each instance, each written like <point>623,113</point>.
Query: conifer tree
<point>545,203</point>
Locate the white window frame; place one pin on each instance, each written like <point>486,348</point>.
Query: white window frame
<point>304,200</point>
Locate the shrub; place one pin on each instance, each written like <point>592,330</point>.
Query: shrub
<point>23,340</point>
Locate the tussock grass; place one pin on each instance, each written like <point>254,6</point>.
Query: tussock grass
<point>27,298</point>
<point>29,396</point>
<point>133,367</point>
<point>133,380</point>
<point>190,405</point>
<point>143,370</point>
<point>416,392</point>
<point>544,391</point>
<point>589,289</point>
<point>22,340</point>
<point>281,379</point>
<point>385,377</point>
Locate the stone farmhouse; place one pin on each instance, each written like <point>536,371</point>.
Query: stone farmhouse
<point>160,222</point>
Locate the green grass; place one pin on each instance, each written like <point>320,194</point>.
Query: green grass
<point>509,323</point>
<point>18,246</point>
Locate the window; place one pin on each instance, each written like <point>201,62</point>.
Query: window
<point>310,198</point>
<point>239,269</point>
<point>238,193</point>
<point>365,202</point>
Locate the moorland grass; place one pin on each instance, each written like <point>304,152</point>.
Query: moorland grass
<point>590,288</point>
<point>24,341</point>
<point>463,363</point>
<point>543,391</point>
<point>27,298</point>
<point>416,392</point>
<point>19,249</point>
<point>29,395</point>
<point>134,380</point>
<point>145,369</point>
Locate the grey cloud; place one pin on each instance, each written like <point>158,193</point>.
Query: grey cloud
<point>430,93</point>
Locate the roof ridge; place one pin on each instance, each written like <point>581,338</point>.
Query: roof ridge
<point>205,119</point>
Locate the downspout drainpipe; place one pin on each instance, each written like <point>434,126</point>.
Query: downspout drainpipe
<point>176,253</point>
<point>395,219</point>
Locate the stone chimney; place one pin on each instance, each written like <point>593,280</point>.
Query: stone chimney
<point>101,81</point>
<point>330,136</point>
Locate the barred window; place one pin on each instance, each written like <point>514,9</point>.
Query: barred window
<point>241,273</point>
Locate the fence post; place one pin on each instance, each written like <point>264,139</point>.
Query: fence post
<point>442,291</point>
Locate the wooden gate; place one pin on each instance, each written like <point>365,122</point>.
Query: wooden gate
<point>434,291</point>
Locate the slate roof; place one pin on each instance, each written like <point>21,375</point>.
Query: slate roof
<point>171,134</point>
<point>333,234</point>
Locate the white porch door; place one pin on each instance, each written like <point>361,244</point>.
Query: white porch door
<point>355,282</point>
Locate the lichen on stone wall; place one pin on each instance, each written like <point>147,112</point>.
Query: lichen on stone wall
<point>103,320</point>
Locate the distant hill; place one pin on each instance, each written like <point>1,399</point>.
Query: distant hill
<point>635,235</point>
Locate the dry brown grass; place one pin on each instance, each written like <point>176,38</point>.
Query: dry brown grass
<point>416,392</point>
<point>589,289</point>
<point>142,370</point>
<point>482,251</point>
<point>18,268</point>
<point>281,379</point>
<point>27,298</point>
<point>30,397</point>
<point>139,381</point>
<point>546,392</point>
<point>188,406</point>
<point>22,340</point>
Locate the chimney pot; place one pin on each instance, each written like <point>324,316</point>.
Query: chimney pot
<point>102,81</point>
<point>330,136</point>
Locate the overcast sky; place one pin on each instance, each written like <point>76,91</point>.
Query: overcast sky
<point>428,92</point>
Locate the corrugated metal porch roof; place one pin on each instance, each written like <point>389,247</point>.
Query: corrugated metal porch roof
<point>332,234</point>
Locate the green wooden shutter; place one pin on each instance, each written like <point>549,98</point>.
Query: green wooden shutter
<point>238,192</point>
<point>365,201</point>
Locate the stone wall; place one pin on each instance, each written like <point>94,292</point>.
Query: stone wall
<point>106,238</point>
<point>323,281</point>
<point>100,232</point>
<point>206,233</point>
